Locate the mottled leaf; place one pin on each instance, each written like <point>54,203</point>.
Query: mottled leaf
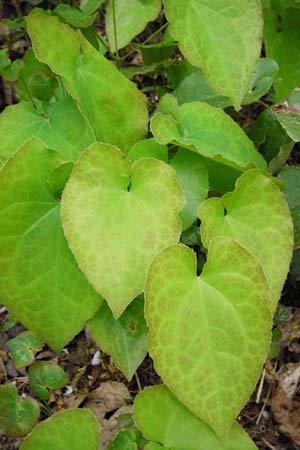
<point>223,38</point>
<point>40,282</point>
<point>23,348</point>
<point>125,339</point>
<point>257,216</point>
<point>45,375</point>
<point>217,325</point>
<point>114,222</point>
<point>16,418</point>
<point>131,18</point>
<point>206,130</point>
<point>115,109</point>
<point>73,429</point>
<point>62,128</point>
<point>162,418</point>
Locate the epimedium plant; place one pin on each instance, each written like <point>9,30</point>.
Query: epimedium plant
<point>93,207</point>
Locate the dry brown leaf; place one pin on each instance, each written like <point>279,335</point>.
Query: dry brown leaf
<point>286,412</point>
<point>289,375</point>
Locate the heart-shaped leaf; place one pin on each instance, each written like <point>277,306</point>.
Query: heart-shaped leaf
<point>125,339</point>
<point>125,440</point>
<point>116,110</point>
<point>23,348</point>
<point>162,418</point>
<point>63,128</point>
<point>131,17</point>
<point>206,130</point>
<point>16,418</point>
<point>218,325</point>
<point>192,174</point>
<point>40,281</point>
<point>117,218</point>
<point>223,38</point>
<point>43,375</point>
<point>257,216</point>
<point>74,429</point>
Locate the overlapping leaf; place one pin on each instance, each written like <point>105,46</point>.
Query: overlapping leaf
<point>218,325</point>
<point>291,179</point>
<point>125,339</point>
<point>73,429</point>
<point>44,375</point>
<point>131,17</point>
<point>148,148</point>
<point>162,418</point>
<point>40,282</point>
<point>117,218</point>
<point>257,216</point>
<point>62,128</point>
<point>206,130</point>
<point>223,38</point>
<point>114,107</point>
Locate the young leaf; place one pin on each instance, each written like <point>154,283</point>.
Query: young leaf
<point>23,348</point>
<point>125,440</point>
<point>192,174</point>
<point>116,110</point>
<point>125,339</point>
<point>211,324</point>
<point>257,216</point>
<point>291,179</point>
<point>148,148</point>
<point>63,128</point>
<point>40,282</point>
<point>117,217</point>
<point>282,42</point>
<point>72,429</point>
<point>206,130</point>
<point>162,418</point>
<point>223,38</point>
<point>131,17</point>
<point>43,375</point>
<point>16,418</point>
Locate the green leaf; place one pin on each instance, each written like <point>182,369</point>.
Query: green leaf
<point>125,440</point>
<point>124,339</point>
<point>192,174</point>
<point>36,78</point>
<point>4,60</point>
<point>206,130</point>
<point>12,72</point>
<point>73,429</point>
<point>282,40</point>
<point>23,348</point>
<point>16,418</point>
<point>62,128</point>
<point>264,76</point>
<point>40,281</point>
<point>196,88</point>
<point>257,216</point>
<point>154,446</point>
<point>43,375</point>
<point>90,6</point>
<point>148,148</point>
<point>223,38</point>
<point>291,179</point>
<point>116,110</point>
<point>289,119</point>
<point>73,16</point>
<point>162,418</point>
<point>114,222</point>
<point>131,19</point>
<point>212,325</point>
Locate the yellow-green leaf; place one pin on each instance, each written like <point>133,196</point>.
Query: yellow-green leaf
<point>217,325</point>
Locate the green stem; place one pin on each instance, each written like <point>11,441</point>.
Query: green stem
<point>145,41</point>
<point>115,31</point>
